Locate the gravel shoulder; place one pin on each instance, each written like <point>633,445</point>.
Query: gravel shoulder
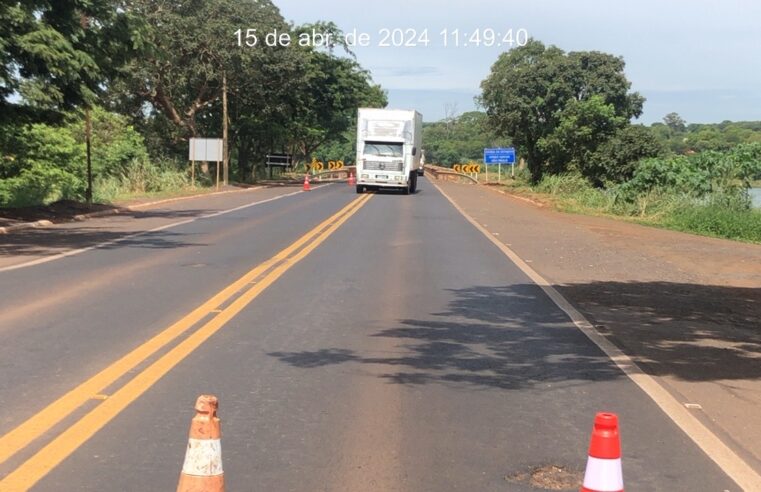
<point>687,308</point>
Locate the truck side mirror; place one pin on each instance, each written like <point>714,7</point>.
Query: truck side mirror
<point>414,150</point>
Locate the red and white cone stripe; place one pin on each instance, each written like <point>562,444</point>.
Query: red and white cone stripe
<point>202,468</point>
<point>203,458</point>
<point>603,475</point>
<point>603,472</point>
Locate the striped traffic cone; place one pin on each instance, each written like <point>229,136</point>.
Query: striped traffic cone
<point>603,472</point>
<point>352,179</point>
<point>306,183</point>
<point>202,470</point>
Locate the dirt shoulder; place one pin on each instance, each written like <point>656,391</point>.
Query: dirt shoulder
<point>33,244</point>
<point>687,308</point>
<point>68,210</point>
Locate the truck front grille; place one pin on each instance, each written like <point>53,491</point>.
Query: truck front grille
<point>383,166</point>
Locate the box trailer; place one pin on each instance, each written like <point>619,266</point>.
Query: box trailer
<point>388,149</point>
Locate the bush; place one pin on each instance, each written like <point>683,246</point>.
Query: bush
<point>140,176</point>
<point>116,145</point>
<point>43,146</point>
<point>563,184</point>
<point>106,189</point>
<point>44,163</point>
<point>39,184</point>
<point>717,220</point>
<point>168,179</point>
<point>698,175</point>
<point>616,159</point>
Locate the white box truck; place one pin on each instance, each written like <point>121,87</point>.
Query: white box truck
<point>388,149</point>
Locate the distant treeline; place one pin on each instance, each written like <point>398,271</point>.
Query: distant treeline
<point>462,138</point>
<point>682,138</point>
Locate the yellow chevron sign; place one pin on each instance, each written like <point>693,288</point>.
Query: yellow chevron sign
<point>467,168</point>
<point>332,165</point>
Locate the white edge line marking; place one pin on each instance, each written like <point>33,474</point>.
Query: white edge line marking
<point>732,464</point>
<point>73,252</point>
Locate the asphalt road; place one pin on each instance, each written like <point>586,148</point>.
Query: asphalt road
<point>393,348</point>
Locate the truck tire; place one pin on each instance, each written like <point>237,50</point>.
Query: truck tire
<point>360,189</point>
<point>413,186</point>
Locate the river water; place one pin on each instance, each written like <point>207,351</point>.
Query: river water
<point>755,195</point>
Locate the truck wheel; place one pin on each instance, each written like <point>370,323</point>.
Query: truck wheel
<point>360,189</point>
<point>413,184</point>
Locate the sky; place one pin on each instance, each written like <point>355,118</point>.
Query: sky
<point>699,58</point>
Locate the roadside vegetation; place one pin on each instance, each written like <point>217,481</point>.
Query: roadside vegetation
<point>704,193</point>
<point>48,162</point>
<point>153,75</point>
<point>570,117</point>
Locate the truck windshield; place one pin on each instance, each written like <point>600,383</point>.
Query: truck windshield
<point>383,149</point>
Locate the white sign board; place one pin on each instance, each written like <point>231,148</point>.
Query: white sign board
<point>205,149</point>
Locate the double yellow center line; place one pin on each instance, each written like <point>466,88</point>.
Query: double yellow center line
<point>237,296</point>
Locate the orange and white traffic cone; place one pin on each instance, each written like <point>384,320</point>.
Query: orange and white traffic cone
<point>603,472</point>
<point>352,179</point>
<point>306,183</point>
<point>202,470</point>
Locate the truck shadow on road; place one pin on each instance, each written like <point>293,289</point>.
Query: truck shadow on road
<point>513,337</point>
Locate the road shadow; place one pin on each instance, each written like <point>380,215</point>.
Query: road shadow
<point>503,337</point>
<point>513,337</point>
<point>693,332</point>
<point>45,241</point>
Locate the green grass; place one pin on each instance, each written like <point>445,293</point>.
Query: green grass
<point>671,210</point>
<point>123,198</point>
<point>717,221</point>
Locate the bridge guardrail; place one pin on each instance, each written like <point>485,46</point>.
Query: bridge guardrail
<point>440,172</point>
<point>335,175</point>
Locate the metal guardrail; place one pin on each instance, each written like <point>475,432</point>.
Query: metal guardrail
<point>439,172</point>
<point>335,175</point>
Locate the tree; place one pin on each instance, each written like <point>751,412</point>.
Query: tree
<point>582,127</point>
<point>333,89</point>
<point>532,89</point>
<point>190,44</point>
<point>675,122</point>
<point>617,158</point>
<point>313,106</point>
<point>59,55</point>
<point>281,98</point>
<point>56,56</point>
<point>459,139</point>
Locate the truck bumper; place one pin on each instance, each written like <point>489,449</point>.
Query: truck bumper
<point>377,184</point>
<point>390,182</point>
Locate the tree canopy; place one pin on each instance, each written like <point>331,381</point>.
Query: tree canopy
<point>161,68</point>
<point>57,55</point>
<point>558,107</point>
<point>459,139</point>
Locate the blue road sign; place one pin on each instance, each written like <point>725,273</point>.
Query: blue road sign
<point>499,156</point>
